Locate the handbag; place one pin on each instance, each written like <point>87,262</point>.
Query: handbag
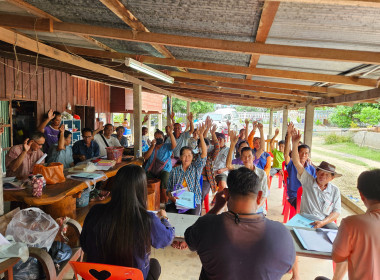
<point>157,165</point>
<point>53,173</point>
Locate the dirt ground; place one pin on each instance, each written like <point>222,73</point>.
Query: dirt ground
<point>350,171</point>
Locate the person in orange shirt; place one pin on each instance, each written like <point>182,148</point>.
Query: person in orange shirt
<point>262,159</point>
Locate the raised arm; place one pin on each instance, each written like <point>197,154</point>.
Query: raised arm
<point>172,117</point>
<point>233,139</point>
<point>18,161</point>
<point>296,137</point>
<point>61,140</point>
<point>216,150</point>
<point>150,150</point>
<point>146,118</point>
<point>42,126</point>
<point>288,140</point>
<point>262,140</point>
<point>252,135</point>
<point>201,129</point>
<point>208,126</point>
<point>100,127</point>
<point>277,131</point>
<point>246,129</point>
<point>228,126</point>
<point>190,118</point>
<point>172,138</point>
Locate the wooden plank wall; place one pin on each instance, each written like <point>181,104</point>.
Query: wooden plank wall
<point>50,88</point>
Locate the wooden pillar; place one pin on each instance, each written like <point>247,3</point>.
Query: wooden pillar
<point>309,123</point>
<point>188,108</point>
<point>149,124</point>
<point>131,124</point>
<point>137,125</point>
<point>284,121</point>
<point>270,133</point>
<point>160,121</point>
<point>168,109</point>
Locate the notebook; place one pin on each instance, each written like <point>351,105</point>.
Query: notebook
<point>89,176</point>
<point>319,240</point>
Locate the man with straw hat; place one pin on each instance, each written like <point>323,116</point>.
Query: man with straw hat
<point>320,198</point>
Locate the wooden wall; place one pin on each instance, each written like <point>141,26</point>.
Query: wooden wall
<point>50,88</point>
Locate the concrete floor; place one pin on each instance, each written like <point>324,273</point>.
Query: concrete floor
<point>185,265</point>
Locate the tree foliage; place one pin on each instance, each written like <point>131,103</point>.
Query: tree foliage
<point>345,116</point>
<point>199,107</point>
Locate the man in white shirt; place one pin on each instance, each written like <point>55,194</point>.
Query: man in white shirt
<point>105,140</point>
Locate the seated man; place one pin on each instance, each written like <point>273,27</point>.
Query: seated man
<point>120,136</point>
<point>105,140</point>
<point>278,155</point>
<point>358,239</point>
<point>86,148</point>
<point>320,199</point>
<point>21,159</point>
<point>62,152</point>
<point>303,152</point>
<point>240,243</point>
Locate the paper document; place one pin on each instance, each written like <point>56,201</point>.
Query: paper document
<point>41,159</point>
<point>299,221</point>
<point>103,168</point>
<point>185,199</point>
<point>314,240</point>
<point>90,176</point>
<point>3,240</point>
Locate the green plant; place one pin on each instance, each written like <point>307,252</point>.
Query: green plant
<point>118,117</point>
<point>342,116</point>
<point>333,139</point>
<point>298,119</point>
<point>369,115</point>
<point>318,122</point>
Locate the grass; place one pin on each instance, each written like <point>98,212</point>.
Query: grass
<point>353,149</point>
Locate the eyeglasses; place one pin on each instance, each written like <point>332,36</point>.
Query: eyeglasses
<point>87,136</point>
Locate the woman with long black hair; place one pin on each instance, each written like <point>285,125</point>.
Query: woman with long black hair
<point>121,232</point>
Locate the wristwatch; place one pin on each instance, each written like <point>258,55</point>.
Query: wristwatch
<point>164,218</point>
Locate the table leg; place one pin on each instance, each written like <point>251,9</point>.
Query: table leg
<point>9,274</point>
<point>65,207</point>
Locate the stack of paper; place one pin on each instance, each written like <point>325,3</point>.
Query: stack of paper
<point>185,199</point>
<point>319,240</point>
<point>106,162</point>
<point>89,176</point>
<point>299,221</point>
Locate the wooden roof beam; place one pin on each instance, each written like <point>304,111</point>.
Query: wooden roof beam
<point>195,42</point>
<point>126,15</point>
<point>267,17</point>
<point>356,3</point>
<point>40,13</point>
<point>22,41</point>
<point>361,96</point>
<point>224,68</point>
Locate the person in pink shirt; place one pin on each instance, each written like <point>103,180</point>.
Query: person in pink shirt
<point>358,239</point>
<point>21,159</point>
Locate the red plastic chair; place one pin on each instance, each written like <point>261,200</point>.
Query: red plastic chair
<point>94,271</point>
<point>207,203</point>
<point>299,196</point>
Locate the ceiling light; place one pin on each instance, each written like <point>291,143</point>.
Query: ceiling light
<point>148,70</point>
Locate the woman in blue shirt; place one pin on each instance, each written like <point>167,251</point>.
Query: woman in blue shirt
<point>62,152</point>
<point>121,232</point>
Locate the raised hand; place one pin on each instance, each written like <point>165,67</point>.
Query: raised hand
<point>172,115</point>
<point>146,118</point>
<point>296,135</point>
<point>290,128</point>
<point>170,129</point>
<point>190,117</point>
<point>276,132</point>
<point>61,128</point>
<point>214,128</point>
<point>153,142</point>
<point>26,146</point>
<point>228,123</point>
<point>51,114</point>
<point>260,126</point>
<point>101,126</point>
<point>246,122</point>
<point>201,129</point>
<point>233,137</point>
<point>208,122</point>
<point>254,125</point>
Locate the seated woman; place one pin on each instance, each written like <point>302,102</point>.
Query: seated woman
<point>242,145</point>
<point>62,152</point>
<point>121,232</point>
<point>158,158</point>
<point>188,175</point>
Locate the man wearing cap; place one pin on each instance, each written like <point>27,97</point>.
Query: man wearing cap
<point>320,199</point>
<point>220,169</point>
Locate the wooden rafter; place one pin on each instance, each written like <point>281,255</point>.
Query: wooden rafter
<point>356,3</point>
<point>132,21</point>
<point>193,42</point>
<point>22,41</point>
<point>233,69</point>
<point>267,17</point>
<point>40,13</point>
<point>362,96</point>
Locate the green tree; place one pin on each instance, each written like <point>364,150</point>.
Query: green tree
<point>342,117</point>
<point>369,115</point>
<point>199,107</point>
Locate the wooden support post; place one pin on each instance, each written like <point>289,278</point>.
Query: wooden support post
<point>132,126</point>
<point>137,125</point>
<point>284,122</point>
<point>309,122</point>
<point>168,109</point>
<point>160,121</point>
<point>270,134</point>
<point>188,107</point>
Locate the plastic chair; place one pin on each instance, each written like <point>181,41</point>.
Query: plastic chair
<point>95,271</point>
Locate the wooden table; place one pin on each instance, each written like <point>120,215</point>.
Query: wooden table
<point>300,251</point>
<point>7,267</point>
<point>59,200</point>
<point>181,222</point>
